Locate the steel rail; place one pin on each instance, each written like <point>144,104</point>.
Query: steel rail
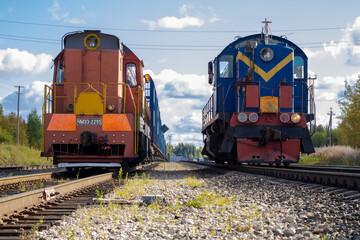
<point>27,167</point>
<point>19,202</point>
<point>325,177</point>
<point>24,178</point>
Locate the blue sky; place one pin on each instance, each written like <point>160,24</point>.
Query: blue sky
<point>176,39</point>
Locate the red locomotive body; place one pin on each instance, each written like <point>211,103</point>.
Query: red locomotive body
<point>95,113</point>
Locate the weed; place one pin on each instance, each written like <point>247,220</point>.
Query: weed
<point>209,198</point>
<point>22,187</point>
<point>193,182</point>
<point>120,176</point>
<point>78,175</point>
<point>32,233</point>
<point>10,174</point>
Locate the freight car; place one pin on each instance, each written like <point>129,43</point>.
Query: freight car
<point>262,108</point>
<point>95,113</point>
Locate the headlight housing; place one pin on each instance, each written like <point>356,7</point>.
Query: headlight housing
<point>295,118</point>
<point>284,117</point>
<point>242,117</point>
<point>253,117</point>
<point>111,107</point>
<point>92,41</point>
<point>266,54</point>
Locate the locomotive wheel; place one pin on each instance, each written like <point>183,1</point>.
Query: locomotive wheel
<point>219,161</point>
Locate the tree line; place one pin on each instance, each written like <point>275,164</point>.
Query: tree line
<point>29,132</point>
<point>185,150</point>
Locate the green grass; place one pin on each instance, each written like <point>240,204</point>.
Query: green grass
<point>193,182</point>
<point>21,155</point>
<point>334,155</point>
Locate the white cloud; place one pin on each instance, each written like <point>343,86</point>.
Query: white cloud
<point>57,12</point>
<point>75,21</point>
<point>13,61</point>
<point>181,99</point>
<point>175,22</point>
<point>180,23</point>
<point>186,19</point>
<point>178,85</point>
<point>214,19</point>
<point>327,92</point>
<point>348,44</point>
<point>61,14</point>
<point>35,92</point>
<point>185,8</point>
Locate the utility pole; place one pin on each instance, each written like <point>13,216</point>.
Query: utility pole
<point>18,118</point>
<point>328,133</point>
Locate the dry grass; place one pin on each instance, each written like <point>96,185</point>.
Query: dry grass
<point>334,155</point>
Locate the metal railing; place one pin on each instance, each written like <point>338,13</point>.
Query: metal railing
<point>211,107</point>
<point>51,96</point>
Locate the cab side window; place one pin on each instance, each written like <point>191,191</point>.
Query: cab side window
<point>131,74</point>
<point>226,68</point>
<point>298,67</point>
<point>59,72</point>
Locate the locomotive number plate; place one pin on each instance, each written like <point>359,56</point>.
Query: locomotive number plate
<point>88,121</point>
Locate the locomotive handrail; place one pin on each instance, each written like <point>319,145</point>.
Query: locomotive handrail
<point>209,106</point>
<point>55,95</point>
<point>276,87</point>
<point>50,102</point>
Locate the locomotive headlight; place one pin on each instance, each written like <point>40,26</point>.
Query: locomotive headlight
<point>295,118</point>
<point>242,117</point>
<point>284,117</point>
<point>266,54</point>
<point>253,117</point>
<point>92,41</point>
<point>111,107</point>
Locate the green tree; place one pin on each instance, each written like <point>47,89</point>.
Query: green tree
<point>34,129</point>
<point>350,116</point>
<point>9,124</point>
<point>318,138</point>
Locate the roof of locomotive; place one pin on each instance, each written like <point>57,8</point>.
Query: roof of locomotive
<point>76,40</point>
<point>274,39</point>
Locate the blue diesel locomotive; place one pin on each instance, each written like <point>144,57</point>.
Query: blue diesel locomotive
<point>262,109</point>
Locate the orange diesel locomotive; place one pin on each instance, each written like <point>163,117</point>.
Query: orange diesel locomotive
<point>95,113</point>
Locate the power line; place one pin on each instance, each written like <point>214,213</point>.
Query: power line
<point>174,31</point>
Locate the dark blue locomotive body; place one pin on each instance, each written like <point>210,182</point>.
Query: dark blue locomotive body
<point>156,128</point>
<point>262,105</point>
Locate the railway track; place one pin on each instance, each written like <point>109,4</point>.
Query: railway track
<point>339,180</point>
<point>18,184</point>
<point>27,167</point>
<point>22,214</point>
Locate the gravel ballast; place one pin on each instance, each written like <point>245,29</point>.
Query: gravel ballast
<point>202,203</point>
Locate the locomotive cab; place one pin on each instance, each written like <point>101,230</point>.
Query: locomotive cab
<point>259,111</point>
<point>95,113</point>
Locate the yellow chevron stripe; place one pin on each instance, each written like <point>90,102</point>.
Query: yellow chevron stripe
<point>266,75</point>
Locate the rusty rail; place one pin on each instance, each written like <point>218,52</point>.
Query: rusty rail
<point>19,202</point>
<point>24,178</point>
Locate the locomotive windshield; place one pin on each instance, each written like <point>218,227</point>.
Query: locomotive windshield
<point>226,66</point>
